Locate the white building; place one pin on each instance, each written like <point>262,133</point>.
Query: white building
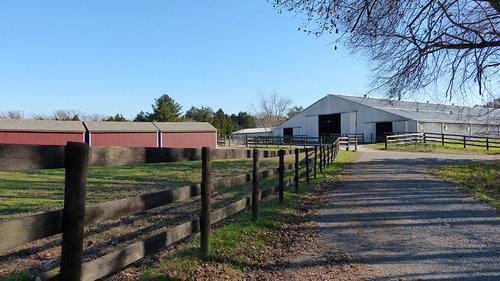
<point>253,132</point>
<point>372,117</point>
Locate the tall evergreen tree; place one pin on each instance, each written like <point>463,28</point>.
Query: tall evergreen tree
<point>223,123</point>
<point>203,114</point>
<point>242,121</point>
<point>166,109</point>
<point>143,117</point>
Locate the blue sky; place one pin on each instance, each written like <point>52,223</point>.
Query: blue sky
<point>113,57</point>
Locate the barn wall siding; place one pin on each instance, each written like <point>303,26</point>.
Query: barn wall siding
<point>40,138</point>
<point>189,139</point>
<point>130,139</point>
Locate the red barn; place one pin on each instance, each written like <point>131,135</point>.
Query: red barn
<point>138,134</point>
<point>41,132</point>
<point>187,134</point>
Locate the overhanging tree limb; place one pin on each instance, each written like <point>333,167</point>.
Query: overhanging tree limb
<point>414,44</point>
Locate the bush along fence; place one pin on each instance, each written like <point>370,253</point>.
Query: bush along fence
<point>71,220</point>
<point>442,139</point>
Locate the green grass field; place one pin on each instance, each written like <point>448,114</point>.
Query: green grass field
<point>34,191</point>
<point>480,179</point>
<point>457,147</point>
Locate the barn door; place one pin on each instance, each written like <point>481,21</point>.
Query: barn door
<point>382,128</point>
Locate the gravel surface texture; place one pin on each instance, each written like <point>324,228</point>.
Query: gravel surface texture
<point>409,225</point>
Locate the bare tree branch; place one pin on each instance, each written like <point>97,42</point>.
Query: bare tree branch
<point>270,110</point>
<point>414,44</point>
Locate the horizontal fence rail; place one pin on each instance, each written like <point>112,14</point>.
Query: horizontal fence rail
<point>463,140</point>
<point>28,157</point>
<point>404,139</point>
<point>32,228</point>
<point>28,229</point>
<point>301,140</point>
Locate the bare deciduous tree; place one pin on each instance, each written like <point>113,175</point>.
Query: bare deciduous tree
<point>96,117</point>
<point>12,114</point>
<point>414,44</point>
<point>66,115</point>
<point>270,110</point>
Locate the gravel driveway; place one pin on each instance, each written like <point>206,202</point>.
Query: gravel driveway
<point>405,224</point>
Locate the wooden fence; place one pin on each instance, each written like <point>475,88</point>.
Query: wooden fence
<point>300,140</point>
<point>70,221</point>
<point>466,141</point>
<point>403,139</point>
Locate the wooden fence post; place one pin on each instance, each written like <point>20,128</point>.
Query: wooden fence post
<point>487,144</point>
<point>246,141</point>
<point>355,144</point>
<point>321,158</point>
<point>324,158</point>
<point>76,164</point>
<point>297,170</point>
<point>465,142</point>
<point>281,186</point>
<point>332,153</point>
<point>315,159</point>
<point>442,139</point>
<point>327,156</point>
<point>255,191</point>
<point>386,141</point>
<point>206,188</point>
<point>307,165</point>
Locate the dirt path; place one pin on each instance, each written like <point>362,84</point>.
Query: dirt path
<point>401,223</point>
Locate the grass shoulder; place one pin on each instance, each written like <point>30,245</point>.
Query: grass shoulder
<point>480,179</point>
<point>435,147</point>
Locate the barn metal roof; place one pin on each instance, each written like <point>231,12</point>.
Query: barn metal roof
<point>103,126</point>
<point>41,125</point>
<point>431,112</point>
<point>254,131</point>
<point>184,126</point>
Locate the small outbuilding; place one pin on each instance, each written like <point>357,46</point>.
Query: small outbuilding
<point>187,134</point>
<point>253,132</point>
<point>132,134</point>
<point>41,132</point>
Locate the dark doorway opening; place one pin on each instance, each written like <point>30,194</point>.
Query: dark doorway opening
<point>287,134</point>
<point>381,129</point>
<point>329,125</point>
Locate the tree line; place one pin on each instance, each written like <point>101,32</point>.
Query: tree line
<point>269,112</point>
<point>165,109</point>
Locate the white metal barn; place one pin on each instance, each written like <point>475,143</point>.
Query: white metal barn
<point>372,117</point>
<point>253,132</point>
